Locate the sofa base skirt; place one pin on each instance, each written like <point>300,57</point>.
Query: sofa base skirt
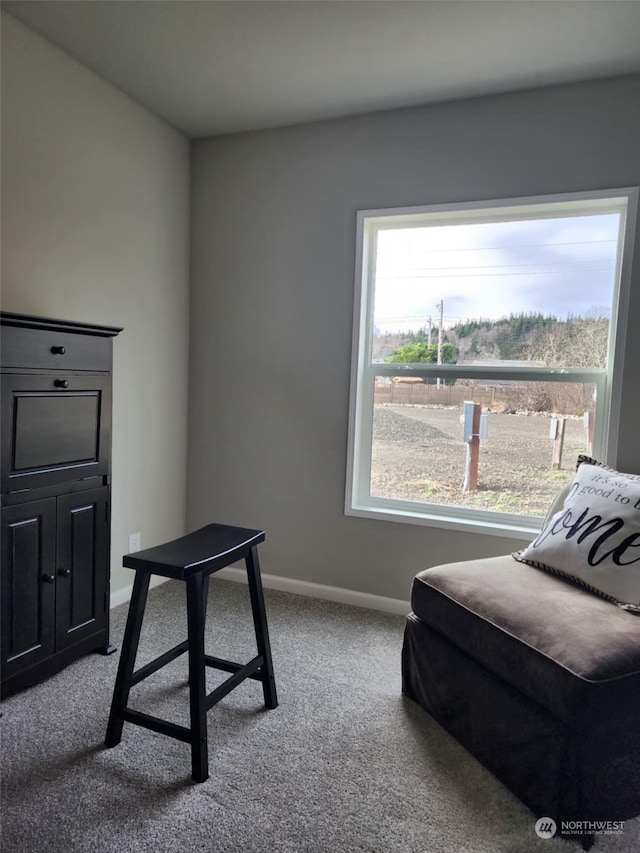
<point>557,769</point>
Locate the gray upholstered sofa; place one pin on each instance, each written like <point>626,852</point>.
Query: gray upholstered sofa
<point>538,678</point>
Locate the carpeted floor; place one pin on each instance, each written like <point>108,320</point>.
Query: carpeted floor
<point>345,764</point>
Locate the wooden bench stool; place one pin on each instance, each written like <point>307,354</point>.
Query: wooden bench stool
<point>192,559</point>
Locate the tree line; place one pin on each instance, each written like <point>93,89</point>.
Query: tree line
<point>538,338</point>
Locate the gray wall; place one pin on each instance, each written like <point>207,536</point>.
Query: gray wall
<point>95,202</point>
<point>273,251</point>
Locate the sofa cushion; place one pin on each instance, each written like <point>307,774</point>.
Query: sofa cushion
<point>593,538</point>
<point>568,650</point>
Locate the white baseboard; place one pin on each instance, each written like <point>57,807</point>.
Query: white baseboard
<point>121,596</point>
<point>297,587</point>
<point>322,591</point>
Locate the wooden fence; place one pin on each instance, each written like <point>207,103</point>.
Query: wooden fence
<point>559,397</point>
<point>445,395</point>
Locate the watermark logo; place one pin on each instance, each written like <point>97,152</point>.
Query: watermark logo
<point>545,827</point>
<point>592,827</point>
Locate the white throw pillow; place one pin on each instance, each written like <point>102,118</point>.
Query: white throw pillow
<point>594,538</point>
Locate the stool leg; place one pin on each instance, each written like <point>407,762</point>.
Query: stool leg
<point>196,605</point>
<point>260,625</point>
<point>127,658</point>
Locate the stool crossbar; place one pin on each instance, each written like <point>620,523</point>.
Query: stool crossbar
<point>192,559</point>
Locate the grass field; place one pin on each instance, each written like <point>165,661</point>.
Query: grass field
<point>419,455</point>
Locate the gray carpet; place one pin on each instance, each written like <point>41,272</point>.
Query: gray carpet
<point>345,764</point>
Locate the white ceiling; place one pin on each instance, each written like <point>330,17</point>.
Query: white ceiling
<point>211,67</point>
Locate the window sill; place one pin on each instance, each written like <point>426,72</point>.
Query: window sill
<point>523,529</point>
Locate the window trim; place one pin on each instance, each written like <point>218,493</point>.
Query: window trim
<point>608,382</point>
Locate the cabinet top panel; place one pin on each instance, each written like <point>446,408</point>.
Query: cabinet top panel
<point>27,321</point>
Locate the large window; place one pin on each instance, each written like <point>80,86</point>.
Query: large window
<point>485,343</point>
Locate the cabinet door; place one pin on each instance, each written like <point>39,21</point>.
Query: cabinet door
<point>55,429</point>
<point>28,584</point>
<point>82,566</point>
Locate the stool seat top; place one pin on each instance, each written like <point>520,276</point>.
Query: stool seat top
<point>211,548</point>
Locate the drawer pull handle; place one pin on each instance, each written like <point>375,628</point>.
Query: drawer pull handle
<point>58,350</point>
<point>64,573</point>
<point>48,578</point>
<point>61,383</point>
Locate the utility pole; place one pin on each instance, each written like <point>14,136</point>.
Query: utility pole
<point>440,305</point>
<point>429,321</point>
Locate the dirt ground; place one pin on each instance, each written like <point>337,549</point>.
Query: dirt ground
<point>419,455</point>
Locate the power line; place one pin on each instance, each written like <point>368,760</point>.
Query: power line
<point>491,274</point>
<point>530,264</point>
<point>416,318</point>
<point>505,248</point>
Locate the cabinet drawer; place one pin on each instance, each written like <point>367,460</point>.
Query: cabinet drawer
<point>43,349</point>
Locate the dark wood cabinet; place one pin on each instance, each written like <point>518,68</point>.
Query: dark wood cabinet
<point>56,463</point>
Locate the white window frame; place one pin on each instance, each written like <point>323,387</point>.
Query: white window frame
<point>359,501</point>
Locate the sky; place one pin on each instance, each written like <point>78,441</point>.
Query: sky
<point>559,266</point>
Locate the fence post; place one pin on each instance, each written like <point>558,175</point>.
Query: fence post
<point>470,483</point>
<point>588,425</point>
<point>558,426</point>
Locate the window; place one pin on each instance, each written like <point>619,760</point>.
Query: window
<point>485,341</point>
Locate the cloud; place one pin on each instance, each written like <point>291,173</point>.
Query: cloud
<point>557,266</point>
